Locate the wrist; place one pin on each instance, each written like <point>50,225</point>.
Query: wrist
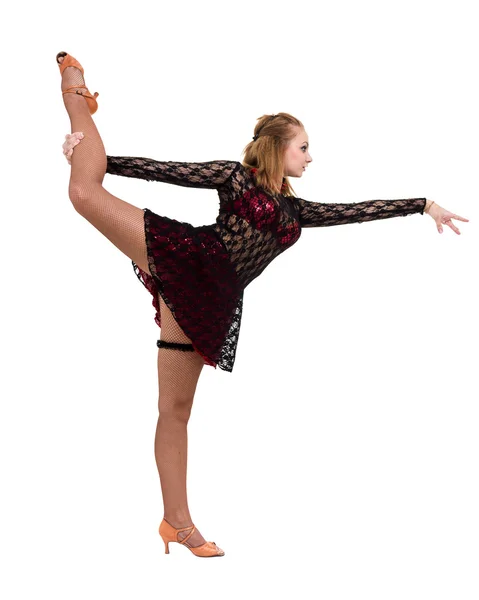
<point>428,205</point>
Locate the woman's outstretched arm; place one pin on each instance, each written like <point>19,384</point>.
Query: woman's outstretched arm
<point>211,174</point>
<point>318,214</point>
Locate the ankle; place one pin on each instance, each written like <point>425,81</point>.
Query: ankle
<point>178,520</point>
<point>75,100</point>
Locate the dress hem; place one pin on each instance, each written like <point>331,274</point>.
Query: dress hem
<point>208,361</point>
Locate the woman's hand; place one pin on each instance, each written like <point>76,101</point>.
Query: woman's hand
<point>442,216</point>
<point>71,140</point>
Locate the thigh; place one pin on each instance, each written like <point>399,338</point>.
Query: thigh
<point>122,223</point>
<point>178,370</point>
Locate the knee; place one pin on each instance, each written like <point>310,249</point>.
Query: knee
<point>80,193</point>
<point>175,407</point>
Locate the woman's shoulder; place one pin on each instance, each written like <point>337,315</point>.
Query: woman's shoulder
<point>240,173</point>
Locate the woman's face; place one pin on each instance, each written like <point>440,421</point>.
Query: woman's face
<point>296,156</point>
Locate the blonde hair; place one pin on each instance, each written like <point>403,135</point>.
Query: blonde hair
<point>266,153</point>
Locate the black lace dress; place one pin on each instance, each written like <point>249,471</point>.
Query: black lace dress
<point>201,272</point>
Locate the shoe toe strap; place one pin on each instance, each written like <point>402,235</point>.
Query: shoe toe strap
<point>188,536</point>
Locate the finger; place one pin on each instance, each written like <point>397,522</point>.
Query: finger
<point>453,227</point>
<point>73,136</point>
<point>460,218</point>
<point>69,145</point>
<point>69,141</point>
<point>439,227</point>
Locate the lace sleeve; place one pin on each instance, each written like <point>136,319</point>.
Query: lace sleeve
<point>317,214</point>
<point>210,174</point>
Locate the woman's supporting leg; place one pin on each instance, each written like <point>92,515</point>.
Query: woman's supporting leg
<point>121,222</point>
<point>178,374</point>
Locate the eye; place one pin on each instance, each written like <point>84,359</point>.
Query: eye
<point>304,148</point>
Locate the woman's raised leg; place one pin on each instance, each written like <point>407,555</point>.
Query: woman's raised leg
<point>178,374</point>
<point>121,222</point>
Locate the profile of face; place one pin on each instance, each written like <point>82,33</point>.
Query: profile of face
<point>296,155</point>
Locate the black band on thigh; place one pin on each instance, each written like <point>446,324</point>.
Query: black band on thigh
<point>175,345</point>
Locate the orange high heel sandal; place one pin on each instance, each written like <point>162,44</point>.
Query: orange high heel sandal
<point>170,534</point>
<point>69,61</point>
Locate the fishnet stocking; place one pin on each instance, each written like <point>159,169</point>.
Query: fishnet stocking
<point>178,374</point>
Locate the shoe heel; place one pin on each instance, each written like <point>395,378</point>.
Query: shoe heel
<point>167,548</point>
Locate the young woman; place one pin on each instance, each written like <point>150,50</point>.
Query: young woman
<point>197,275</point>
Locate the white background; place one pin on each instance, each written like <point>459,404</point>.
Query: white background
<point>339,460</point>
